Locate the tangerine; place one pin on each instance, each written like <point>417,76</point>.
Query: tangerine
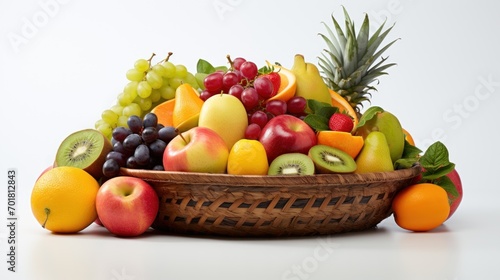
<point>345,141</point>
<point>408,137</point>
<point>288,84</point>
<point>421,207</point>
<point>63,199</point>
<point>164,112</point>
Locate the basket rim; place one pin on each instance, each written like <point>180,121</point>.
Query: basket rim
<point>271,180</point>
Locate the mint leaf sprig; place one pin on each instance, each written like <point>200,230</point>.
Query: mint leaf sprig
<point>319,114</point>
<point>435,164</point>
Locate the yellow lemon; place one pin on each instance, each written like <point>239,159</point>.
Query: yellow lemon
<point>63,199</point>
<point>247,157</point>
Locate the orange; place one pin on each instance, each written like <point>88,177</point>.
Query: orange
<point>344,106</point>
<point>341,140</point>
<point>164,112</point>
<point>247,157</point>
<point>288,84</point>
<point>421,207</point>
<point>63,199</point>
<point>408,137</point>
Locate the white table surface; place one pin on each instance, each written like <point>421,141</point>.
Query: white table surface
<point>465,247</point>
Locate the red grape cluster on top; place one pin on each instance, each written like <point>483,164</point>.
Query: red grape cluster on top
<point>253,87</point>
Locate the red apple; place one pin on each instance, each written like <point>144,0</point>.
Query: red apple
<point>286,134</point>
<point>44,171</point>
<point>199,149</point>
<point>455,201</point>
<point>98,222</point>
<point>126,206</point>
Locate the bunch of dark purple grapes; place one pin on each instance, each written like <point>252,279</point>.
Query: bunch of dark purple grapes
<point>140,146</point>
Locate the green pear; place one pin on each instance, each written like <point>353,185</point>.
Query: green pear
<point>226,115</point>
<point>375,155</point>
<point>389,125</point>
<point>310,84</point>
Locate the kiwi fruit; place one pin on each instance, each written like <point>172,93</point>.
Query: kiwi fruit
<point>291,164</point>
<point>331,160</point>
<point>85,149</point>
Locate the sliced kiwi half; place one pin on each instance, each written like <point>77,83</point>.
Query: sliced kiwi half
<point>85,149</point>
<point>331,160</point>
<point>291,164</point>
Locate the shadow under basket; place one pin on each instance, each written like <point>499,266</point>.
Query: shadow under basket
<point>272,206</point>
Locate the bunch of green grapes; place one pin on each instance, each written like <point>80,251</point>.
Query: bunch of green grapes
<point>148,85</point>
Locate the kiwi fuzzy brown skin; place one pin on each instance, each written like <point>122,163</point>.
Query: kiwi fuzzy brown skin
<point>291,164</point>
<point>94,147</point>
<point>328,160</point>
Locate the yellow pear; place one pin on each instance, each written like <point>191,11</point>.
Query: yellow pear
<point>310,84</point>
<point>187,108</point>
<point>226,115</point>
<point>375,155</point>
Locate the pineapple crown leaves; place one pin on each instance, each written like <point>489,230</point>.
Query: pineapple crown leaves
<point>347,61</point>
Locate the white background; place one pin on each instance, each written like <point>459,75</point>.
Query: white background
<point>63,62</point>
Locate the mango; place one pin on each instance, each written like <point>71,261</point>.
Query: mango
<point>387,123</point>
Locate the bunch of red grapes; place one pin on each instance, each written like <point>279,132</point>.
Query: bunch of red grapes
<point>253,87</point>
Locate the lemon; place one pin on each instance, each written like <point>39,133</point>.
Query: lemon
<point>247,157</point>
<point>63,199</point>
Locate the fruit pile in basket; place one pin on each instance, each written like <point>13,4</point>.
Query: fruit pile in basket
<point>245,119</point>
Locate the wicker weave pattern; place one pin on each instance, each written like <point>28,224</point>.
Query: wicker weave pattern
<point>273,206</point>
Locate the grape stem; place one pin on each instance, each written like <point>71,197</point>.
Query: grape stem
<point>151,58</point>
<point>230,61</point>
<point>168,56</point>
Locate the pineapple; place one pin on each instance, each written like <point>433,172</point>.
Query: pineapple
<point>347,64</point>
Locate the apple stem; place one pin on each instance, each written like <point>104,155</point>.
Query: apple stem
<point>180,134</point>
<point>47,213</point>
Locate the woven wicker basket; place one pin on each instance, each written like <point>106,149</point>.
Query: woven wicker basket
<point>244,206</point>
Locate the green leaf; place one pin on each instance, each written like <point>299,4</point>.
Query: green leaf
<point>369,114</point>
<point>404,163</point>
<point>411,155</point>
<point>204,66</point>
<point>315,105</point>
<point>446,183</point>
<point>435,157</point>
<point>410,151</point>
<point>318,123</point>
<point>433,174</point>
<point>326,112</point>
<point>266,70</point>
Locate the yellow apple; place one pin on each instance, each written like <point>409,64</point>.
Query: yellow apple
<point>226,115</point>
